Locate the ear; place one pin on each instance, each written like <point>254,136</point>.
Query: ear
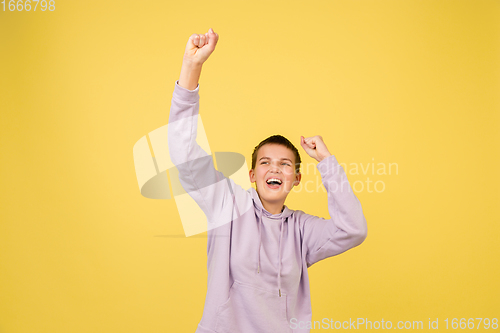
<point>251,174</point>
<point>298,177</point>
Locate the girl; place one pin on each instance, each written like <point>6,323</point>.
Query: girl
<point>258,250</point>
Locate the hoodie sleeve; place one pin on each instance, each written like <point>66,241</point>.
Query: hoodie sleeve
<point>346,227</point>
<point>209,188</point>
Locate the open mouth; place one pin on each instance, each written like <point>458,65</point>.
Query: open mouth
<point>274,183</point>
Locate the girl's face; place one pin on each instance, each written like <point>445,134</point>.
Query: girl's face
<point>274,172</point>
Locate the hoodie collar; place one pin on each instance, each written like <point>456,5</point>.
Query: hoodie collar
<point>283,216</point>
<point>258,206</point>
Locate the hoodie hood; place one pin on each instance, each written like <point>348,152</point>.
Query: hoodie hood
<point>283,217</point>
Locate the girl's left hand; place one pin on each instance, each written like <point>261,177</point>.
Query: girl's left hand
<point>315,147</point>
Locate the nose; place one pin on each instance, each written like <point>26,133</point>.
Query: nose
<point>275,167</point>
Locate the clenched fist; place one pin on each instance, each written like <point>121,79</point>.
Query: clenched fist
<point>315,147</point>
<point>200,46</point>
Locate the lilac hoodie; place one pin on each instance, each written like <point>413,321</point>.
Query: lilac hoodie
<point>257,261</point>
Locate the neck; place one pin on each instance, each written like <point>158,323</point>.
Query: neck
<point>273,207</point>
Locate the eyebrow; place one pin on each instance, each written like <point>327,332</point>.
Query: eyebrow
<point>284,158</point>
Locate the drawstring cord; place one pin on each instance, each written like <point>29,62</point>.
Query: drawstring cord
<point>279,249</point>
<point>279,257</point>
<point>260,241</point>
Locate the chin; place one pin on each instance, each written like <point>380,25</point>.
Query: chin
<point>273,194</point>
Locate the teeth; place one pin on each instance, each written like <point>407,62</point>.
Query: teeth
<point>273,179</point>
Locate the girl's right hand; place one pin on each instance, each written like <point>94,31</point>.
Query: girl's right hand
<point>200,46</point>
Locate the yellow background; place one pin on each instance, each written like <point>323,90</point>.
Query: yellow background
<point>411,82</point>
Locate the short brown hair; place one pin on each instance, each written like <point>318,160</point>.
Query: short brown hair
<point>280,140</point>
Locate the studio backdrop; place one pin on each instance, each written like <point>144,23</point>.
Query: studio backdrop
<point>93,231</point>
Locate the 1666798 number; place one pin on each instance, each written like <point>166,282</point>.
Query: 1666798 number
<point>28,5</point>
<point>471,323</point>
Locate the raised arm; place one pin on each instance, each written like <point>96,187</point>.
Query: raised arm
<point>209,188</point>
<point>346,227</point>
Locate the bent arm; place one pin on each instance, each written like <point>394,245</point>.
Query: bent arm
<point>346,227</point>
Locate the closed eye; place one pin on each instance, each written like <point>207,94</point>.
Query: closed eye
<point>281,163</point>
